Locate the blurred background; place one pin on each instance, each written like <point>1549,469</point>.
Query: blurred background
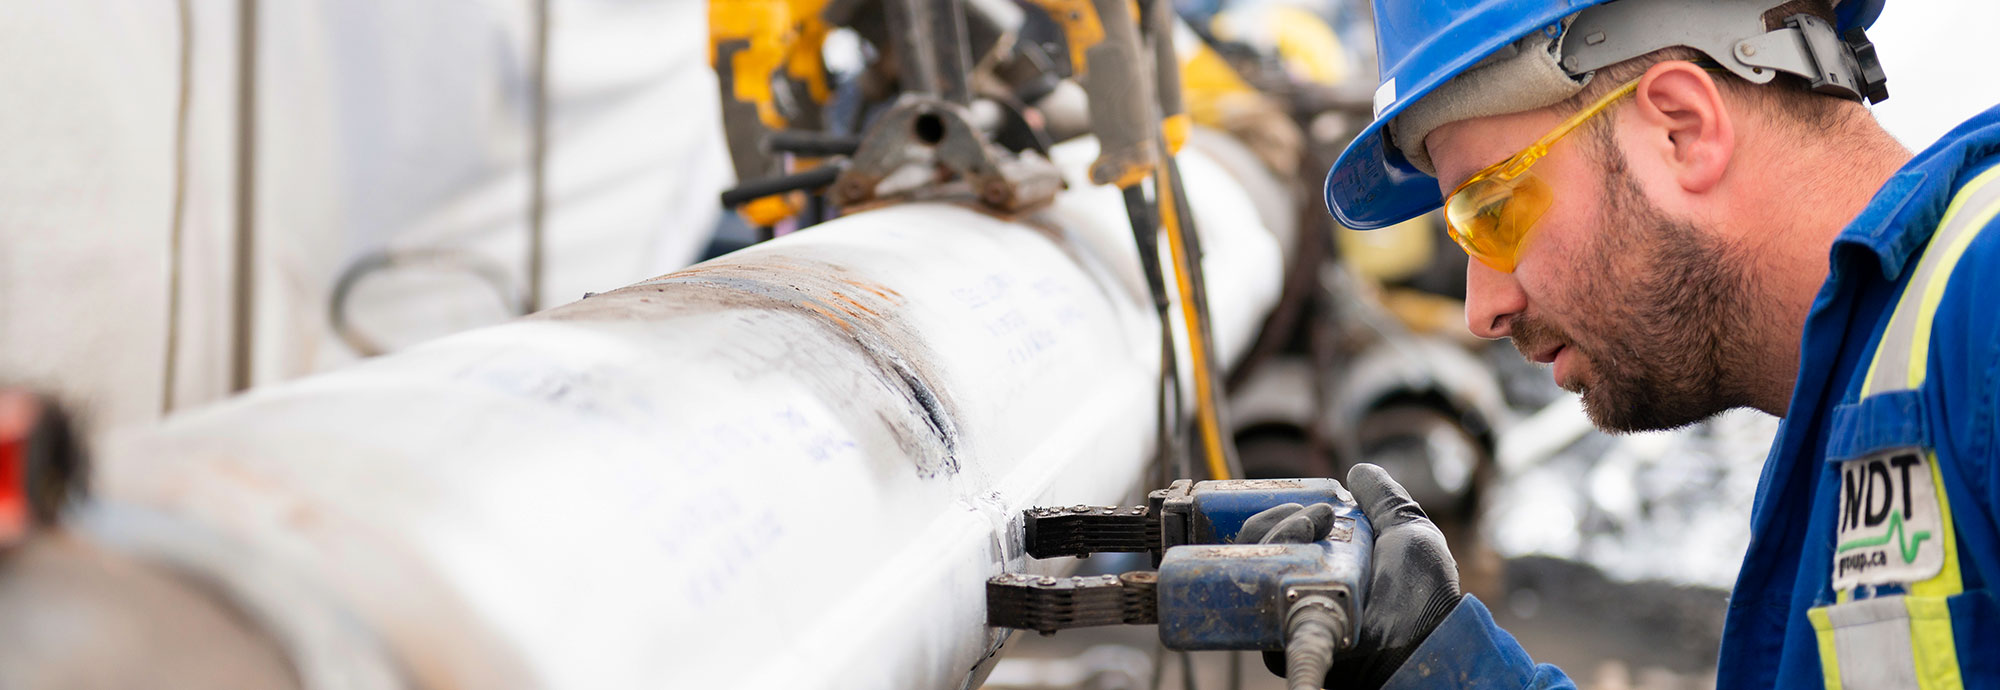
<point>200,197</point>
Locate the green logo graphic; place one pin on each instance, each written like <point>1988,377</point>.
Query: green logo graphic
<point>1909,548</point>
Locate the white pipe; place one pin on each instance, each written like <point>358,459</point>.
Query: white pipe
<point>792,467</point>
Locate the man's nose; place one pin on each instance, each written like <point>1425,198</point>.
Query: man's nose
<point>1492,300</point>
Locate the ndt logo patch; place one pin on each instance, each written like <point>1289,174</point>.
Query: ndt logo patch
<point>1891,531</point>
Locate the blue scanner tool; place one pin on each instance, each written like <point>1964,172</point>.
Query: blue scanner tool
<point>1209,592</point>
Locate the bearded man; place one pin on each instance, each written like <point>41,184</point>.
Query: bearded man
<point>1685,206</point>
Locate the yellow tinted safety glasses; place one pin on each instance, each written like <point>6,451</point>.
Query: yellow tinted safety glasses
<point>1491,213</point>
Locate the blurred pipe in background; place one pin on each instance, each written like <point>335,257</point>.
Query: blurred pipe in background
<point>791,467</point>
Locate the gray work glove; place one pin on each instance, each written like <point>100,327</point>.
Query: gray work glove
<point>1415,581</point>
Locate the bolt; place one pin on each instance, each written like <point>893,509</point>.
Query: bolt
<point>996,192</point>
<point>1746,49</point>
<point>1594,38</point>
<point>1047,580</point>
<point>1109,510</point>
<point>1080,508</point>
<point>1291,595</point>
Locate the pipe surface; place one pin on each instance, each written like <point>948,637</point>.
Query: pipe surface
<point>791,467</point>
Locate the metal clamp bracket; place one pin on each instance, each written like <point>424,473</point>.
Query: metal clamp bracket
<point>907,147</point>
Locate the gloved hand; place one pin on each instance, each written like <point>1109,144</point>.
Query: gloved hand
<point>1413,588</point>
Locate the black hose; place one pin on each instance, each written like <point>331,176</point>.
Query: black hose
<point>758,189</point>
<point>1169,406</point>
<point>1313,632</point>
<point>450,259</point>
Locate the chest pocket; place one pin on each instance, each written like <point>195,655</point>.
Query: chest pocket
<point>1895,565</point>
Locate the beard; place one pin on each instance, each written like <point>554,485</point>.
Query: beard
<point>1665,311</point>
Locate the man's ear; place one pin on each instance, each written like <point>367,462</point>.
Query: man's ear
<point>1686,124</point>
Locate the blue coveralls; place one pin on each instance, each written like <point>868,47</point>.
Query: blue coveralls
<point>1831,431</point>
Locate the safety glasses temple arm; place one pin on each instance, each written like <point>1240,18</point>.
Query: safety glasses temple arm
<point>1528,156</point>
<point>1521,161</point>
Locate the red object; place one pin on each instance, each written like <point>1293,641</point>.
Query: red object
<point>13,490</point>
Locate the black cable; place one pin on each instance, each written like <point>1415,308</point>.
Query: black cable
<point>753,190</point>
<point>490,273</point>
<point>1168,413</point>
<point>1204,327</point>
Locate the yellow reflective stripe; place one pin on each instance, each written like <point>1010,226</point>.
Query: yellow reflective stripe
<point>1829,658</point>
<point>1934,292</point>
<point>1947,582</point>
<point>1931,648</point>
<point>1893,352</point>
<point>1915,305</point>
<point>1906,342</point>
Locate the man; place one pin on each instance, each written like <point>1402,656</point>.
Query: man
<point>1684,206</point>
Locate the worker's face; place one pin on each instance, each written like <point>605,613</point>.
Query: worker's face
<point>1628,303</point>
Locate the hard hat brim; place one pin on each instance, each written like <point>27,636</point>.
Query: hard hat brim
<point>1366,189</point>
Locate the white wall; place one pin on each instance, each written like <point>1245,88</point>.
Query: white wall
<point>1941,59</point>
<point>381,124</point>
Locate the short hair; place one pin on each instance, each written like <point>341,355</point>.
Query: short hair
<point>1788,95</point>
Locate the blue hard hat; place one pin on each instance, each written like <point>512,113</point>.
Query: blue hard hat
<point>1421,45</point>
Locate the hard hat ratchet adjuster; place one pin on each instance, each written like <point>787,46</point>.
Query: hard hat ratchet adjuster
<point>1733,34</point>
